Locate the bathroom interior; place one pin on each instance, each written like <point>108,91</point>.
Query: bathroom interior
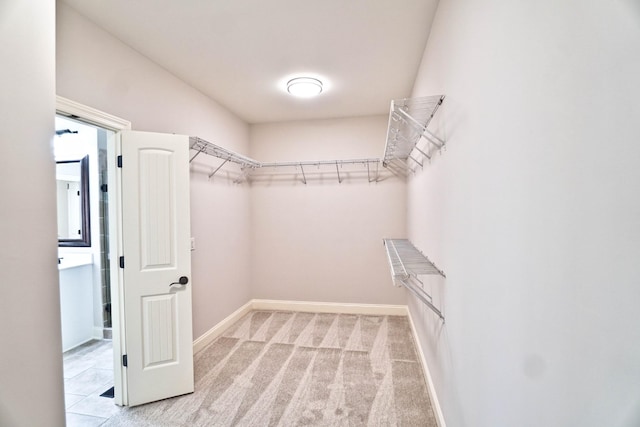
<point>83,256</point>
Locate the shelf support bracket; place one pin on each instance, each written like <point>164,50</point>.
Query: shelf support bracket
<point>422,129</point>
<point>338,170</point>
<point>304,178</point>
<point>429,136</point>
<point>422,152</point>
<point>196,155</point>
<point>218,168</point>
<point>420,294</point>
<point>411,157</point>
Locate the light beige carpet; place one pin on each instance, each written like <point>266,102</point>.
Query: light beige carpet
<point>300,369</point>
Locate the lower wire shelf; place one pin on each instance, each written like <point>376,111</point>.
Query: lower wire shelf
<point>407,263</point>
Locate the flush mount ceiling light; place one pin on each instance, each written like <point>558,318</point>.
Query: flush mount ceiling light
<point>304,87</point>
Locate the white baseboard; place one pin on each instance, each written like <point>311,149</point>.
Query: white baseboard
<point>207,338</point>
<point>77,345</point>
<point>304,306</point>
<point>435,404</point>
<point>330,307</point>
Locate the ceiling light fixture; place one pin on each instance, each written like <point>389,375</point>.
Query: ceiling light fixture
<point>304,87</point>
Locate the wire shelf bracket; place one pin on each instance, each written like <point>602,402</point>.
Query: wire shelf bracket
<point>407,263</point>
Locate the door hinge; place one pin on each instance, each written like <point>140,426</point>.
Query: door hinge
<point>119,161</point>
<point>124,360</point>
<point>121,262</point>
<point>104,188</point>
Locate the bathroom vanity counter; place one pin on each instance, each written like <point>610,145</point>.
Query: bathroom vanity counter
<point>66,261</point>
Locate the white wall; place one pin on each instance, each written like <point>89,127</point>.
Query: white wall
<point>533,212</point>
<point>30,349</point>
<point>323,241</point>
<point>97,70</point>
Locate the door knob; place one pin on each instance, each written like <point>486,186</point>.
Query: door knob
<point>181,281</point>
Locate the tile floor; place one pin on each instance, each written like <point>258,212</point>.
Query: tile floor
<point>88,372</point>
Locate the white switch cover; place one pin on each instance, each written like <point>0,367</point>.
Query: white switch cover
<point>193,243</point>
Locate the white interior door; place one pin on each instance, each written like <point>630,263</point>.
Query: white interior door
<point>156,248</point>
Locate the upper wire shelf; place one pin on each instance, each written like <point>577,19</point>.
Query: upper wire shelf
<point>409,119</point>
<point>408,123</point>
<point>371,165</point>
<point>202,146</point>
<point>249,166</point>
<point>407,263</point>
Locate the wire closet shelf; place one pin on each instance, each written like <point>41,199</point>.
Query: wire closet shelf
<point>409,120</point>
<point>206,147</point>
<point>407,263</point>
<point>249,165</point>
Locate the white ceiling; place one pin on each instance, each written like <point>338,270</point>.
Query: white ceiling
<point>242,52</point>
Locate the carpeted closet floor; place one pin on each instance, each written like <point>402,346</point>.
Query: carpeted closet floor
<point>276,368</point>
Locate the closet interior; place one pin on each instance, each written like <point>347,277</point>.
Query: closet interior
<point>408,125</point>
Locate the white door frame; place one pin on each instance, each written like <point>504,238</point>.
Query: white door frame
<point>67,107</point>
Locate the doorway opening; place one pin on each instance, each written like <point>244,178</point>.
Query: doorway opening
<point>82,177</point>
<point>101,244</point>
